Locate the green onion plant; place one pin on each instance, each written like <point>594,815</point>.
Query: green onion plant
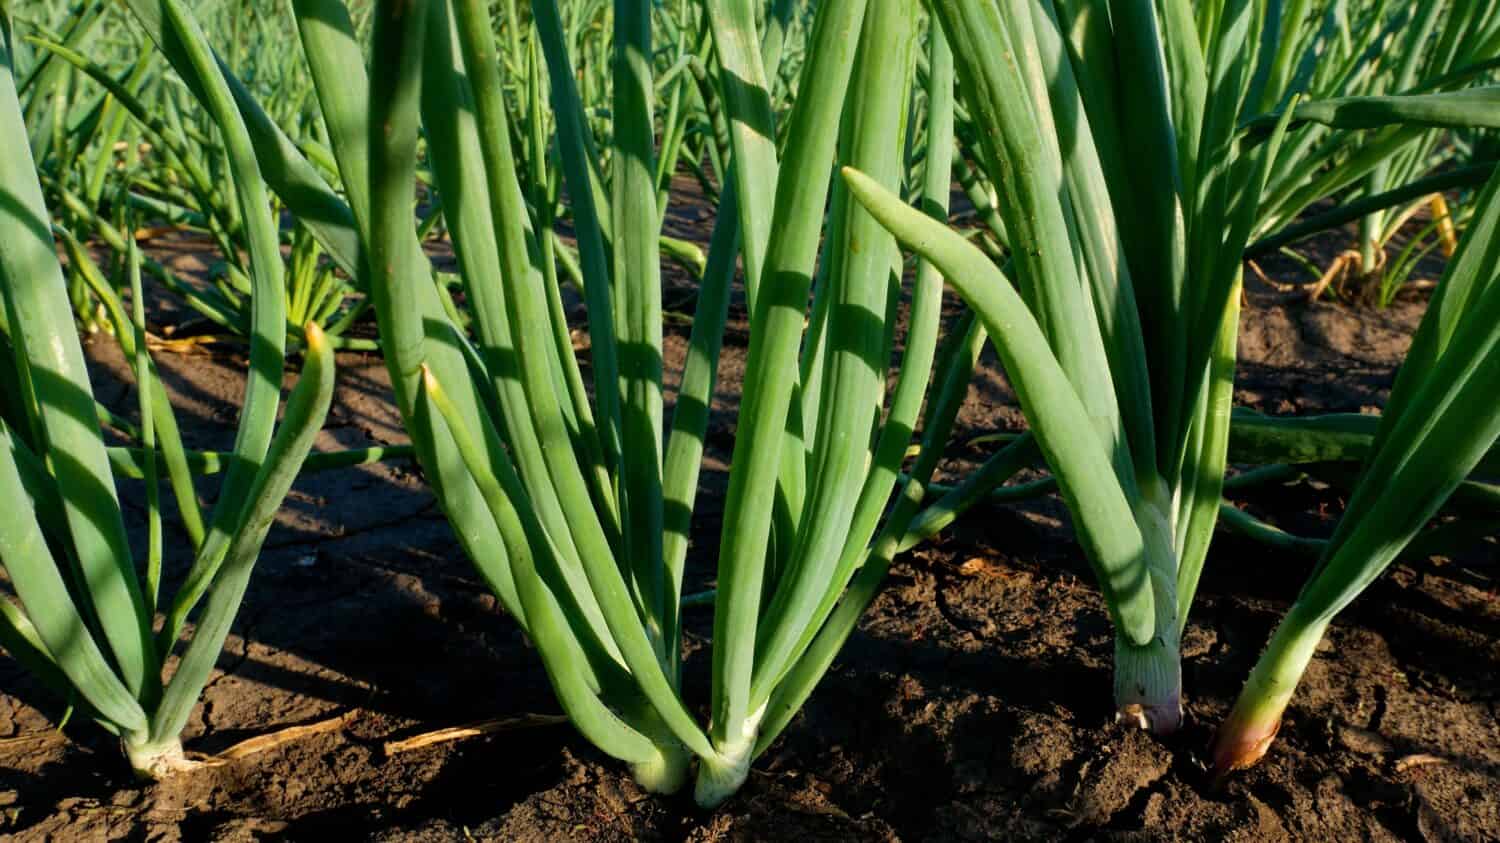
<point>1439,423</point>
<point>1118,142</point>
<point>576,504</point>
<point>592,499</point>
<point>1109,135</point>
<point>82,615</point>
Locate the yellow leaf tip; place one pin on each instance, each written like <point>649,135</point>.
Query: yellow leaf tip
<point>314,335</point>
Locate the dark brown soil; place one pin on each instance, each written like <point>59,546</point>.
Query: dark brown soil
<point>973,704</point>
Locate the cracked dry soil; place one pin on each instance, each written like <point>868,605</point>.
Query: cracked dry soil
<point>972,704</point>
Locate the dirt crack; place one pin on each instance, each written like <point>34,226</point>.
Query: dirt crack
<point>423,511</point>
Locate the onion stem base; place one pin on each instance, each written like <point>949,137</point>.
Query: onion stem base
<point>721,776</point>
<point>1248,732</point>
<point>158,761</point>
